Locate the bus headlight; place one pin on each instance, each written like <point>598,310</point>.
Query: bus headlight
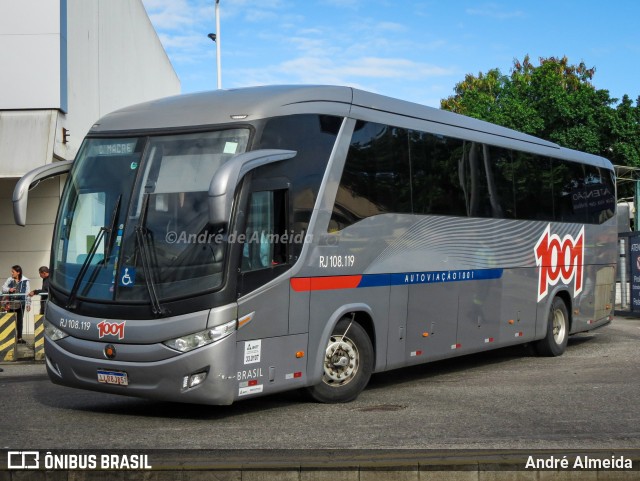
<point>52,332</point>
<point>198,339</point>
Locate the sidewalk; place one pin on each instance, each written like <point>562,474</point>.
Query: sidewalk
<point>25,352</point>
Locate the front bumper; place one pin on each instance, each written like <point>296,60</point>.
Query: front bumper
<point>162,379</point>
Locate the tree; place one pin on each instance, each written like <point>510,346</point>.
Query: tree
<point>554,101</point>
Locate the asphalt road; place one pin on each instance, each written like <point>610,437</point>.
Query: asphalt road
<point>507,399</point>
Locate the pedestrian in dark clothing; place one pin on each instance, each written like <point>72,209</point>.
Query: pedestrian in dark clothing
<point>44,292</point>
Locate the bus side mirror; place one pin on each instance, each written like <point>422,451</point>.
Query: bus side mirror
<point>21,191</point>
<point>226,179</point>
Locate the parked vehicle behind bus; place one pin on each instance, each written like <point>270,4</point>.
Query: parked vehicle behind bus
<point>219,246</point>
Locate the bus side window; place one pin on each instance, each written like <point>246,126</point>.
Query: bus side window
<point>265,239</point>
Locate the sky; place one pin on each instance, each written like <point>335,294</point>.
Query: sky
<point>415,50</point>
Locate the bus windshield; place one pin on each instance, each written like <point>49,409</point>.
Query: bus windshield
<point>134,218</point>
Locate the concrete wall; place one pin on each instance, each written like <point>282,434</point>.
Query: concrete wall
<point>115,59</point>
<point>18,155</point>
<point>65,63</point>
<point>32,54</point>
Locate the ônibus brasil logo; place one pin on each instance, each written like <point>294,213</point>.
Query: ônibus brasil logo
<point>559,259</point>
<point>111,329</point>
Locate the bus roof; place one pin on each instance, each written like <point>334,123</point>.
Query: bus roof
<point>247,104</point>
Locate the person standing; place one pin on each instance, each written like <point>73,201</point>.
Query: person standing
<point>18,286</point>
<point>44,292</point>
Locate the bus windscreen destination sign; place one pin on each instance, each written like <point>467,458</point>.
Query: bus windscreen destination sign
<point>122,147</point>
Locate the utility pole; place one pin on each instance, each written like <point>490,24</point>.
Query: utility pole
<point>216,38</point>
<point>218,64</point>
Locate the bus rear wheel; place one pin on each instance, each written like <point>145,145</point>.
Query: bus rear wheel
<point>347,364</point>
<point>555,340</point>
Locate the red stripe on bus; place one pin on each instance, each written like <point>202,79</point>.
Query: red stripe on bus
<point>302,284</point>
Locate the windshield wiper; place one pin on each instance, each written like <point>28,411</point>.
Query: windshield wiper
<point>142,238</point>
<point>71,302</point>
<point>112,229</point>
<point>92,252</point>
<point>108,245</point>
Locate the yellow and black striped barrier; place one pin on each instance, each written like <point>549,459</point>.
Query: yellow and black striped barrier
<point>8,344</point>
<point>38,337</point>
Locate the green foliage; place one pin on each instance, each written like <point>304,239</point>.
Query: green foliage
<point>554,101</point>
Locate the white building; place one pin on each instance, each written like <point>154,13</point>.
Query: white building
<point>65,63</point>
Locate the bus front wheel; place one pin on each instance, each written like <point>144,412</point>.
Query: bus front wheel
<point>555,341</point>
<point>347,364</point>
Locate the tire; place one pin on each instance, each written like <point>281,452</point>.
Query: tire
<point>555,341</point>
<point>347,364</point>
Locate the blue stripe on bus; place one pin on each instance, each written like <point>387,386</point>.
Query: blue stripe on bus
<point>322,283</point>
<point>431,277</point>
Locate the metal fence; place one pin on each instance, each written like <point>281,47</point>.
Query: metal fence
<point>37,303</point>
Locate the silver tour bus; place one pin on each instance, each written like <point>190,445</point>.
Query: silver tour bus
<point>224,245</point>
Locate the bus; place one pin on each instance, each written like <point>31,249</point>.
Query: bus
<point>223,245</point>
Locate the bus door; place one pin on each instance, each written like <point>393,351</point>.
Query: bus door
<point>264,257</point>
<point>266,355</point>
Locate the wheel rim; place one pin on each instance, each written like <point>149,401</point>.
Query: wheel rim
<point>341,361</point>
<point>559,326</point>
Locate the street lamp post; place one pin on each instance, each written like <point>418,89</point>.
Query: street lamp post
<point>218,66</point>
<point>216,38</point>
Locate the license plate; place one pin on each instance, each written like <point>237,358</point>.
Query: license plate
<point>113,377</point>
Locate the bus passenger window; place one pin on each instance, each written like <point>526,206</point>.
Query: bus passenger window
<point>568,191</point>
<point>377,175</point>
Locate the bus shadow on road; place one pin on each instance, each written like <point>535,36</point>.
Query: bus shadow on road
<point>121,405</point>
<point>447,370</point>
